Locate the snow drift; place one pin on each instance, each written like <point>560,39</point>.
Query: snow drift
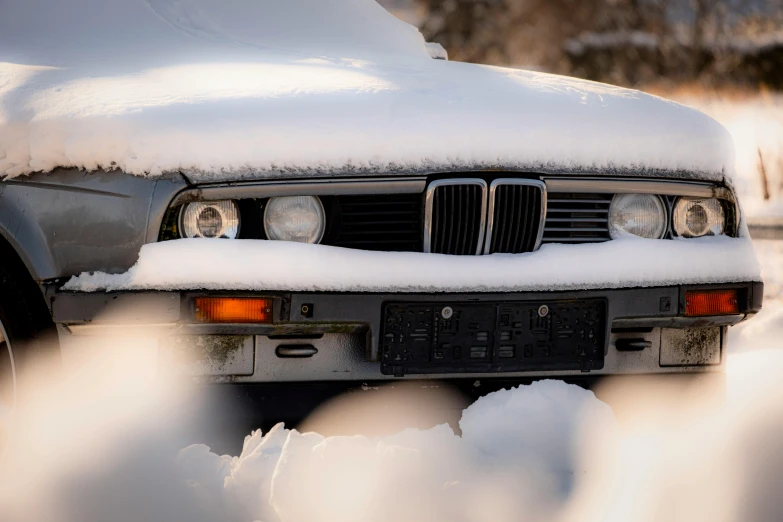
<point>226,90</point>
<point>106,447</point>
<point>280,265</point>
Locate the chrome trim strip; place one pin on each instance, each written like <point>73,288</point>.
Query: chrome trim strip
<point>314,187</point>
<point>491,212</point>
<point>65,188</point>
<point>429,200</point>
<point>676,321</point>
<point>640,186</point>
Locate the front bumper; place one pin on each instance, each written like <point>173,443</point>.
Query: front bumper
<point>337,336</point>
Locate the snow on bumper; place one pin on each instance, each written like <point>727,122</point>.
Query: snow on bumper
<point>190,264</point>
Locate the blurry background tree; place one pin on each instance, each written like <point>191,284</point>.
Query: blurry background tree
<point>626,42</point>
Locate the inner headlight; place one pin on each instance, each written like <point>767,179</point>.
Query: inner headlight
<point>642,215</point>
<point>295,218</point>
<point>210,219</point>
<point>694,217</point>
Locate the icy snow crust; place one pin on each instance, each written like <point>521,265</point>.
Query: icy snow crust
<point>278,265</point>
<point>236,89</point>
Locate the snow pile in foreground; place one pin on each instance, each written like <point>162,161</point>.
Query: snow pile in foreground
<point>252,88</point>
<point>279,265</point>
<point>106,447</point>
<point>517,447</point>
<point>109,453</point>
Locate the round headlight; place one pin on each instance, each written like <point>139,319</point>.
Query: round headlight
<point>695,217</point>
<point>640,215</point>
<point>295,218</point>
<point>210,219</point>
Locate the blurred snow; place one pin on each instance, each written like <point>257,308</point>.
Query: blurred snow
<point>770,256</point>
<point>104,447</point>
<point>763,332</point>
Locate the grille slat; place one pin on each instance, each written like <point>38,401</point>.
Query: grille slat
<point>532,200</point>
<point>577,218</point>
<point>514,207</point>
<point>462,192</point>
<point>511,227</point>
<point>571,229</point>
<point>581,210</point>
<point>571,200</point>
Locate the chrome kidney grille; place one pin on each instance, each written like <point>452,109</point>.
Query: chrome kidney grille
<point>464,217</point>
<point>516,211</point>
<point>455,216</point>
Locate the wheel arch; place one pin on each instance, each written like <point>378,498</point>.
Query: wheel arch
<point>20,266</point>
<point>22,240</point>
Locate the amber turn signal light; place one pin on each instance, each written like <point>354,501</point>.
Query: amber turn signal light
<point>711,302</point>
<point>233,310</point>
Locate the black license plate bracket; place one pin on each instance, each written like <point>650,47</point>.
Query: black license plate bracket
<point>493,337</point>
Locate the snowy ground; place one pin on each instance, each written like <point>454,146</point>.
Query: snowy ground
<point>105,448</point>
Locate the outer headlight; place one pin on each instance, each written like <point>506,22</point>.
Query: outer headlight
<point>642,215</point>
<point>696,217</point>
<point>295,218</point>
<point>210,219</point>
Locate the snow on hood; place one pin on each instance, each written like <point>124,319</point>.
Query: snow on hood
<point>233,89</point>
<point>187,264</point>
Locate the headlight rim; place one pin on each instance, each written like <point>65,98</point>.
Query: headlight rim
<point>666,215</point>
<point>321,212</point>
<point>727,227</point>
<point>208,203</point>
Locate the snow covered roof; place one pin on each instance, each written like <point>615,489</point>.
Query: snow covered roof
<point>231,89</point>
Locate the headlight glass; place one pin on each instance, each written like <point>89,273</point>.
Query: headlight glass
<point>295,218</point>
<point>642,215</point>
<point>210,219</point>
<point>694,217</point>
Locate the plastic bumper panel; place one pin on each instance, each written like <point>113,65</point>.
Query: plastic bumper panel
<point>334,336</point>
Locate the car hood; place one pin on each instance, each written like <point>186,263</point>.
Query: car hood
<point>217,106</point>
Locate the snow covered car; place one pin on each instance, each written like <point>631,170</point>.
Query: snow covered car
<point>343,207</point>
